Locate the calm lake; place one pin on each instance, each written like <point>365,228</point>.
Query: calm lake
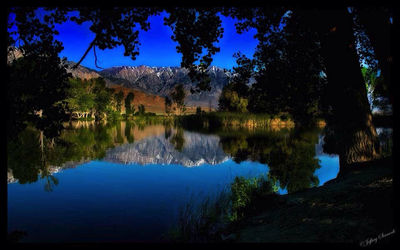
<point>126,182</point>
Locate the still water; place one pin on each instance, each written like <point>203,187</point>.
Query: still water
<point>126,182</point>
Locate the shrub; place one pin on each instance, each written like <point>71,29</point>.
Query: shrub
<point>244,192</point>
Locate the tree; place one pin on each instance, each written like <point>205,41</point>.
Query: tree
<point>168,105</point>
<point>118,100</point>
<point>373,28</point>
<point>88,97</point>
<point>129,109</point>
<point>178,96</point>
<point>289,75</point>
<point>178,139</point>
<point>103,99</point>
<point>37,84</point>
<point>198,110</point>
<point>290,156</point>
<point>229,100</point>
<point>141,110</point>
<point>350,115</point>
<point>351,118</point>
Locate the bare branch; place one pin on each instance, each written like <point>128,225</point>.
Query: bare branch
<point>95,57</point>
<point>84,55</point>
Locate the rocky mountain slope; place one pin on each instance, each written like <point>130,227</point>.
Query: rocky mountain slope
<point>162,80</point>
<point>158,81</point>
<point>81,71</point>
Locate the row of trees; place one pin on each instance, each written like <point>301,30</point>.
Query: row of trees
<point>92,99</point>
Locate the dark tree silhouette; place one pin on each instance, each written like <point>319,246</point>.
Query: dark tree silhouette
<point>178,96</point>
<point>350,115</point>
<point>128,104</point>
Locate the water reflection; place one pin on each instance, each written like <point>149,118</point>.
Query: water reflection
<point>184,148</point>
<point>129,180</point>
<point>289,154</point>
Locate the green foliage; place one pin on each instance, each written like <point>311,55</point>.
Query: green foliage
<point>245,191</point>
<point>234,96</point>
<point>36,83</point>
<point>376,86</point>
<point>118,97</point>
<point>216,120</point>
<point>198,111</point>
<point>130,137</point>
<point>207,220</point>
<point>178,140</point>
<point>178,97</point>
<point>129,109</point>
<point>188,26</point>
<point>89,97</point>
<point>230,101</point>
<point>290,155</point>
<point>141,110</point>
<point>168,104</point>
<point>113,115</point>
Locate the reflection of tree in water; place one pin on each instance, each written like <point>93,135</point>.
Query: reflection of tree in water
<point>129,136</point>
<point>289,155</point>
<point>178,140</point>
<point>32,154</point>
<point>168,131</point>
<point>28,156</point>
<point>119,138</point>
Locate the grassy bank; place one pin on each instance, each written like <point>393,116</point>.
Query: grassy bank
<point>216,120</point>
<point>208,219</point>
<point>353,208</point>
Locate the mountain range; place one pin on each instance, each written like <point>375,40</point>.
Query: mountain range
<point>159,81</point>
<point>154,82</point>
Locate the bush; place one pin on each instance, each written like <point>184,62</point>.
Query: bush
<point>244,192</point>
<point>206,221</point>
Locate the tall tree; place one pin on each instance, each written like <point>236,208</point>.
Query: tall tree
<point>118,100</point>
<point>178,96</point>
<point>351,119</point>
<point>128,103</point>
<point>168,105</point>
<point>348,104</point>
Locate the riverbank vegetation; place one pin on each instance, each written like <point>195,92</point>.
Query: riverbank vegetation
<point>206,220</point>
<point>217,120</point>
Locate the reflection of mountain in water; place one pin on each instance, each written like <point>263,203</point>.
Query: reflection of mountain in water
<point>198,149</point>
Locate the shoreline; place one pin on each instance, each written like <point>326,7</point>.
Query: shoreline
<point>351,208</point>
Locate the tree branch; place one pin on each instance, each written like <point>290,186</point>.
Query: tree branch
<point>95,58</point>
<point>84,55</point>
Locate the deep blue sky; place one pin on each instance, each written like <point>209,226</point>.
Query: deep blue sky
<point>157,48</point>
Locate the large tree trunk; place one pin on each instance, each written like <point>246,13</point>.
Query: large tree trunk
<point>378,28</point>
<point>355,134</point>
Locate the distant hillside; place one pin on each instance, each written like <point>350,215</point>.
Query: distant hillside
<point>81,71</point>
<point>152,103</point>
<point>162,80</point>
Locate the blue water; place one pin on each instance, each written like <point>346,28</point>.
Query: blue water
<point>105,201</point>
